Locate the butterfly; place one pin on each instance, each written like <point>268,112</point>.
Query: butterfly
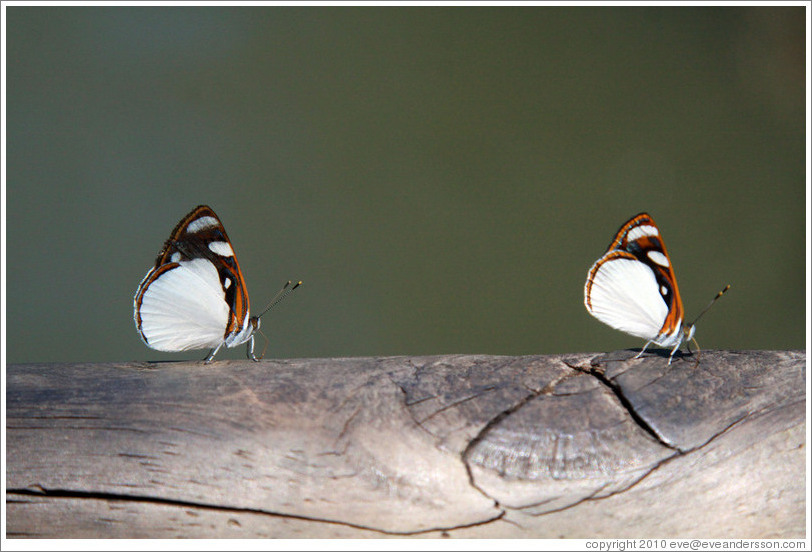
<point>195,295</point>
<point>632,288</point>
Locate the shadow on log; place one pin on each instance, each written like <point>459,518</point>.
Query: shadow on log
<point>576,446</point>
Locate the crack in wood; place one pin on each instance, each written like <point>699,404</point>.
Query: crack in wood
<point>678,453</point>
<point>496,420</point>
<point>499,418</point>
<point>592,496</point>
<point>617,391</point>
<point>39,491</point>
<point>346,427</point>
<point>548,390</point>
<point>479,393</point>
<point>496,505</point>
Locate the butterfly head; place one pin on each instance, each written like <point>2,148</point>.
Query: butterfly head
<point>286,290</point>
<point>689,329</point>
<point>688,332</point>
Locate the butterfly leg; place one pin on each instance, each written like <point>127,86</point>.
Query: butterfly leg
<point>673,351</point>
<point>250,349</point>
<point>698,351</point>
<point>213,352</point>
<point>643,350</point>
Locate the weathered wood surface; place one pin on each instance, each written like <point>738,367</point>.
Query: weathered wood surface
<point>462,446</point>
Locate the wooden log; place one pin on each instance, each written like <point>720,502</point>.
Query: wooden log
<point>576,446</point>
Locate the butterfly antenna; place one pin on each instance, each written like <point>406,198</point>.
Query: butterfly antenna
<point>286,290</point>
<point>718,295</point>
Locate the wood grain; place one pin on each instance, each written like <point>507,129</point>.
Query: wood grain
<point>467,446</point>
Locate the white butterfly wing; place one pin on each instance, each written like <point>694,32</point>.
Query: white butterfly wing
<point>625,295</point>
<point>184,308</point>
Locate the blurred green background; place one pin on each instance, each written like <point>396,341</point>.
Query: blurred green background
<point>441,178</point>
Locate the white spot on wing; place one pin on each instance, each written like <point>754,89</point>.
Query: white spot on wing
<point>221,248</point>
<point>175,257</point>
<point>227,283</point>
<point>663,290</point>
<point>658,258</point>
<point>642,231</point>
<point>201,224</point>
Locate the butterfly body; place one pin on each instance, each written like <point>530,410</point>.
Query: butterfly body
<point>195,295</point>
<point>632,287</point>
